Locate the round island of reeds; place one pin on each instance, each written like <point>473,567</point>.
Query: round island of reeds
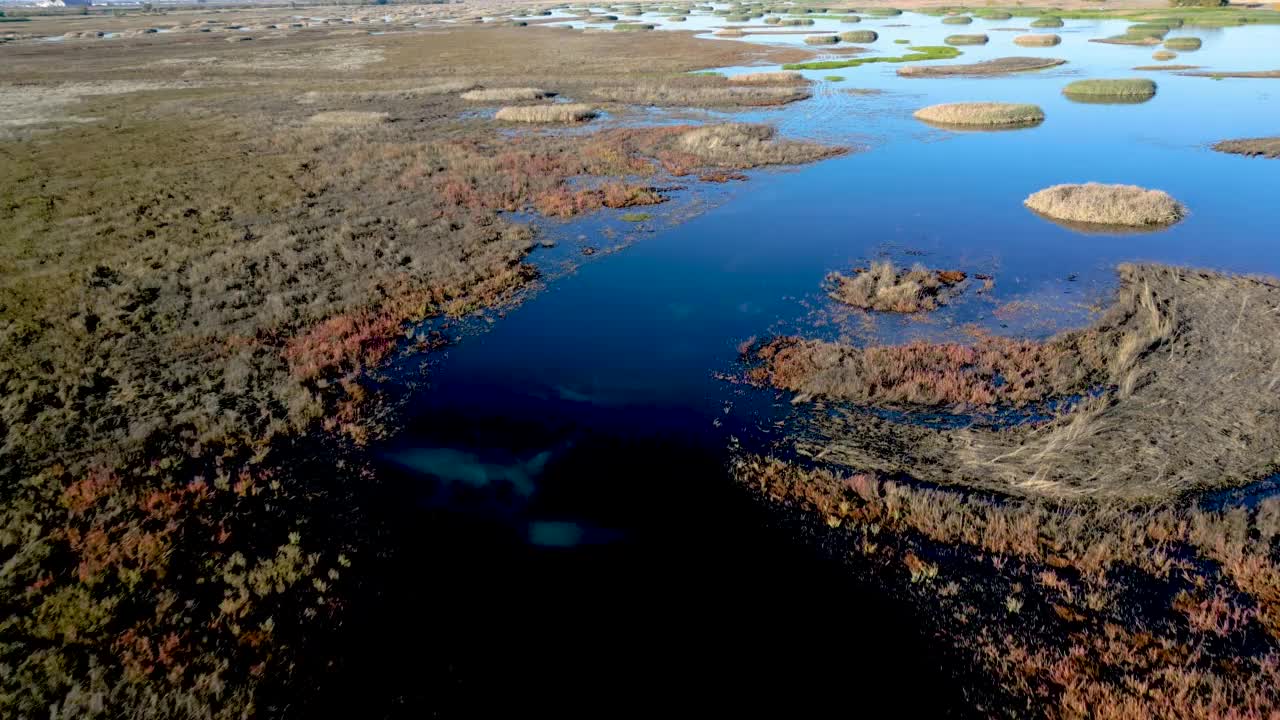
<point>1048,21</point>
<point>1102,206</point>
<point>979,115</point>
<point>1182,43</point>
<point>561,113</point>
<point>821,39</point>
<point>957,20</point>
<point>1126,90</point>
<point>860,36</point>
<point>1044,40</point>
<point>966,40</point>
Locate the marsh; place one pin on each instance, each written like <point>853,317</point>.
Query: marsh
<point>320,373</point>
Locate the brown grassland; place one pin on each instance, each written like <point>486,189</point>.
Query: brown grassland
<point>204,248</point>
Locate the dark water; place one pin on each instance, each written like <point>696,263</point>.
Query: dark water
<point>566,539</point>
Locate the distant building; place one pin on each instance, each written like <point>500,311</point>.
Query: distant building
<point>64,3</point>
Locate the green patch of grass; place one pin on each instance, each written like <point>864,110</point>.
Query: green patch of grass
<point>632,27</point>
<point>635,217</point>
<point>957,20</point>
<point>902,41</point>
<point>11,20</point>
<point>834,78</point>
<point>917,54</point>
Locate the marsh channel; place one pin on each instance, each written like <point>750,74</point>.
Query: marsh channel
<point>561,468</point>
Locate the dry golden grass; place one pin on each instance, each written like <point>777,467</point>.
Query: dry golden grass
<point>1041,40</point>
<point>559,113</point>
<point>349,118</point>
<point>1099,204</point>
<point>1163,55</point>
<point>768,78</point>
<point>885,288</point>
<point>982,114</point>
<point>512,94</point>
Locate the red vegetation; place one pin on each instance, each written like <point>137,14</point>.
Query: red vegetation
<point>989,371</point>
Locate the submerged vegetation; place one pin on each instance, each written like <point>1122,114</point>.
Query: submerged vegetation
<point>984,114</point>
<point>1099,204</point>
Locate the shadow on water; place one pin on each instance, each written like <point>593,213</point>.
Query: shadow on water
<point>635,576</point>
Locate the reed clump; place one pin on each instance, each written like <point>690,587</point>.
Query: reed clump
<point>971,39</point>
<point>860,36</point>
<point>1183,43</point>
<point>561,113</point>
<point>886,288</point>
<point>1113,205</point>
<point>1046,40</point>
<point>1121,89</point>
<point>988,114</point>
